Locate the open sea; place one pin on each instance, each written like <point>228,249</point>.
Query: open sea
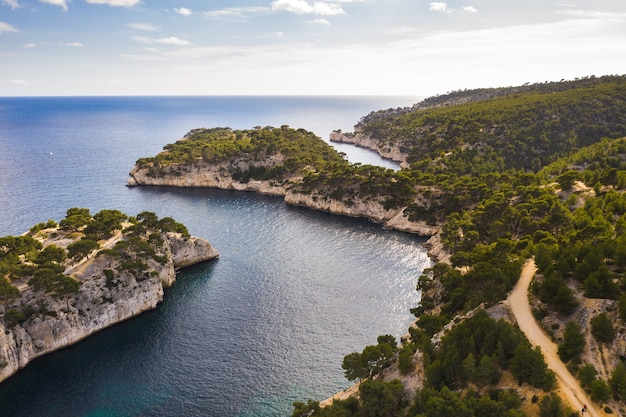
<point>266,324</point>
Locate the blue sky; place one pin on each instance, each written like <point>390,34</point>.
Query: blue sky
<point>356,47</point>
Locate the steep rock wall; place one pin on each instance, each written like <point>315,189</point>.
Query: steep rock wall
<point>101,302</point>
<point>219,176</point>
<point>372,210</point>
<point>364,141</point>
<point>202,174</point>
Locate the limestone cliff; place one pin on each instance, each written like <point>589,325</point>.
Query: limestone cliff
<point>213,175</point>
<point>109,293</point>
<point>359,139</point>
<point>371,210</point>
<point>203,174</point>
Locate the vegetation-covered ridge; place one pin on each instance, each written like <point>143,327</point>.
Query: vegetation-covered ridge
<point>61,282</point>
<point>566,211</point>
<point>293,163</point>
<point>486,130</point>
<point>456,151</point>
<point>45,258</point>
<point>270,153</point>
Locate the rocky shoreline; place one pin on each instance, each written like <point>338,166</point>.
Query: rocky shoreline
<point>203,174</point>
<point>359,139</point>
<point>217,176</point>
<point>102,301</point>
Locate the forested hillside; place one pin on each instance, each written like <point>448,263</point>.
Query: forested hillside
<point>535,173</point>
<point>275,153</point>
<point>525,128</point>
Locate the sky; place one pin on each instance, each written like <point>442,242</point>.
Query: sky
<point>413,48</point>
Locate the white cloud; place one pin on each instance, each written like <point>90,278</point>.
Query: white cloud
<point>117,3</point>
<point>533,53</point>
<point>44,44</point>
<point>320,21</point>
<point>327,9</point>
<point>143,26</point>
<point>172,40</point>
<point>438,6</point>
<point>183,11</point>
<point>60,3</point>
<point>304,7</point>
<point>13,4</point>
<point>295,6</point>
<point>5,27</point>
<point>235,12</point>
<point>16,81</point>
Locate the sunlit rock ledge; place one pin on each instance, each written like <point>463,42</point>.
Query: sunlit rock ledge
<point>204,175</point>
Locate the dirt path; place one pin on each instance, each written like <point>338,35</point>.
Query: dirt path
<point>570,389</point>
<point>80,267</point>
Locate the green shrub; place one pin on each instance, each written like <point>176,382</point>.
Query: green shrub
<point>602,329</point>
<point>81,248</point>
<point>586,375</point>
<point>50,224</point>
<point>599,391</point>
<point>13,317</point>
<point>573,343</point>
<point>405,359</point>
<point>7,291</point>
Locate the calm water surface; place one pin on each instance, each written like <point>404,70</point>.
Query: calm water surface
<point>265,325</point>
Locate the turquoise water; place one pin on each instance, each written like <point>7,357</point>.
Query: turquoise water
<point>265,325</point>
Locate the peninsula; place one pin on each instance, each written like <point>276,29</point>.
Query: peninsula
<point>500,178</point>
<point>61,282</point>
<point>294,164</point>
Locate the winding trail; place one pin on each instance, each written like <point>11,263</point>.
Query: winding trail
<point>79,267</point>
<point>570,389</point>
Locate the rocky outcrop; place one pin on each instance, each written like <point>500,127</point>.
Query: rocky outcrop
<point>371,210</point>
<point>204,174</point>
<point>364,141</point>
<point>187,252</point>
<point>108,294</point>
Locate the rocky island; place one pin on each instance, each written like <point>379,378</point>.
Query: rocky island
<point>62,282</point>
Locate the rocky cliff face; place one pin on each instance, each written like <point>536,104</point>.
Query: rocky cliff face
<point>203,174</point>
<point>105,298</point>
<point>364,141</point>
<point>216,176</point>
<point>372,210</point>
<point>220,176</point>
